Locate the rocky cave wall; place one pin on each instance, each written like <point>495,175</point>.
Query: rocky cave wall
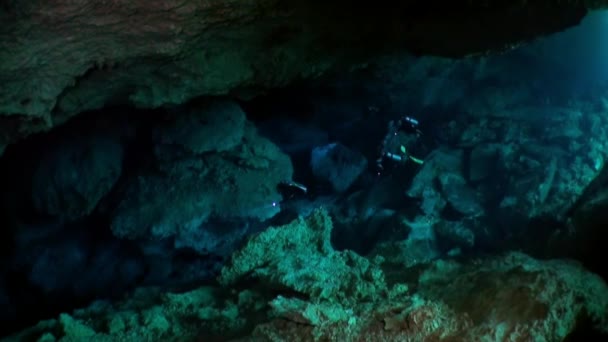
<point>149,203</point>
<point>74,58</point>
<point>58,59</point>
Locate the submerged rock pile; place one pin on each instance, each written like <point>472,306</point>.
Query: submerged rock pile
<point>301,289</point>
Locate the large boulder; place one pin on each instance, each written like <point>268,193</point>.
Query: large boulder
<point>440,182</point>
<point>231,175</point>
<point>74,175</point>
<point>214,127</point>
<point>337,165</point>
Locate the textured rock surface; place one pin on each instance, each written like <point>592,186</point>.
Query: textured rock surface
<point>337,165</point>
<point>206,169</point>
<point>299,256</point>
<point>217,126</point>
<point>72,178</point>
<point>60,58</point>
<point>339,296</point>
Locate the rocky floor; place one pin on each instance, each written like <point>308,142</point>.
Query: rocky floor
<point>298,288</point>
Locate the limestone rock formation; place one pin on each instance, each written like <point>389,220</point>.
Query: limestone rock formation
<point>71,179</point>
<point>207,168</point>
<point>312,292</point>
<point>58,59</point>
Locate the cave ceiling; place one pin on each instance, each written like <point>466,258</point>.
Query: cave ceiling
<point>61,58</point>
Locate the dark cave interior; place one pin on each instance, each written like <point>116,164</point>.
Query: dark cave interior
<point>477,179</point>
<point>57,266</point>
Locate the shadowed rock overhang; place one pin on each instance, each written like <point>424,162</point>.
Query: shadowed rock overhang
<point>60,58</point>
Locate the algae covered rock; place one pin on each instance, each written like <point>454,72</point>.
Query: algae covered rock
<point>299,256</point>
<point>515,297</point>
<point>508,298</point>
<point>326,290</point>
<point>301,289</point>
<point>151,315</point>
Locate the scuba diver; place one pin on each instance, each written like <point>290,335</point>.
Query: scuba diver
<point>290,189</point>
<point>400,143</point>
